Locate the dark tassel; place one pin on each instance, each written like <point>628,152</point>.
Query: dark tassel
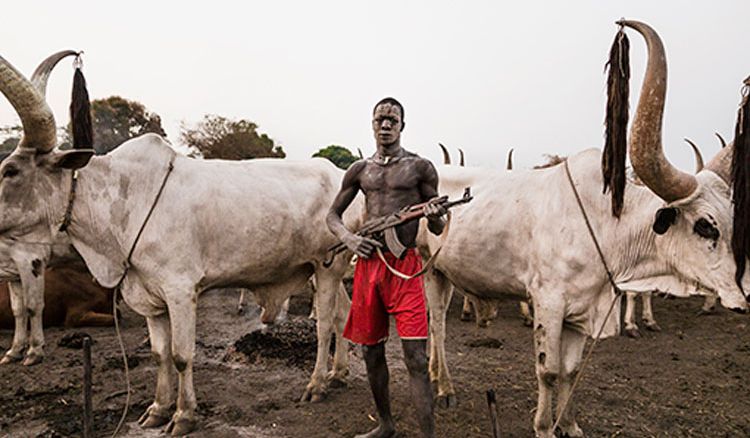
<point>741,188</point>
<point>80,113</point>
<point>616,123</point>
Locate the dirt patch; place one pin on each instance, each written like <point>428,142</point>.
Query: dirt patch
<point>688,380</point>
<point>74,340</point>
<point>294,340</point>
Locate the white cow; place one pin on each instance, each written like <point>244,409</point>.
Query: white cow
<point>528,226</point>
<point>258,224</point>
<point>23,263</point>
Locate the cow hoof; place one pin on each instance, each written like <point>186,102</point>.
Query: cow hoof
<point>484,323</point>
<point>633,333</point>
<point>10,358</point>
<point>33,359</point>
<point>654,327</point>
<point>180,427</point>
<point>446,401</point>
<point>576,433</point>
<point>241,311</point>
<point>465,316</point>
<point>528,322</point>
<point>313,396</point>
<point>151,418</point>
<point>707,312</point>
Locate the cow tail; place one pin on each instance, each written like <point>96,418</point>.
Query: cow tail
<point>616,122</point>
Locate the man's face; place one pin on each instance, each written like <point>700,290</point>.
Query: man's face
<point>387,124</point>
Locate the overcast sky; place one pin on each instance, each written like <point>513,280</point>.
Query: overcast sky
<point>482,75</point>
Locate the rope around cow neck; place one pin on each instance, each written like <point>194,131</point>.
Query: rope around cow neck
<point>127,266</point>
<point>618,295</point>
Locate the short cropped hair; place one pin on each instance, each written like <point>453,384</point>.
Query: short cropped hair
<point>392,101</point>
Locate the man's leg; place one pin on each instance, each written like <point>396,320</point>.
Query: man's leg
<point>377,374</point>
<point>415,356</point>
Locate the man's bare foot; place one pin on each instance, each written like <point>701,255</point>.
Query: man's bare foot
<point>379,432</point>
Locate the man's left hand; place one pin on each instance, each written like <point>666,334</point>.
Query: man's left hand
<point>433,211</point>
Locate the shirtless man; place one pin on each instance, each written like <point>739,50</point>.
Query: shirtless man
<point>391,179</point>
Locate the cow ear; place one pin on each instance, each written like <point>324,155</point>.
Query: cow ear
<point>665,217</point>
<point>71,159</point>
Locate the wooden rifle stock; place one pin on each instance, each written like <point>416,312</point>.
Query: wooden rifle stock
<point>405,215</point>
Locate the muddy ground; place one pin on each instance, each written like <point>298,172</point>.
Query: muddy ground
<point>688,380</point>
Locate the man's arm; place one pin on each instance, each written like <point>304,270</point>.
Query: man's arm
<point>361,246</point>
<point>428,188</point>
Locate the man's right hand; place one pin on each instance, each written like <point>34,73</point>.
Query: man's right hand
<point>362,246</point>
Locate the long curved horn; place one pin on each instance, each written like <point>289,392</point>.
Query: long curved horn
<point>41,74</point>
<point>721,163</point>
<point>446,155</point>
<point>36,116</point>
<point>721,139</point>
<point>698,156</point>
<point>646,153</point>
<point>361,157</point>
<point>509,163</point>
<point>461,161</point>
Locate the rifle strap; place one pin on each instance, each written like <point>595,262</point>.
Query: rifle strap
<point>428,265</point>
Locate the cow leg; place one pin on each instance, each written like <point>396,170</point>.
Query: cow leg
<point>328,282</point>
<point>20,335</point>
<point>648,313</point>
<point>466,311</point>
<point>548,317</point>
<point>709,305</point>
<point>341,356</point>
<point>528,320</point>
<point>439,292</point>
<point>631,327</point>
<point>159,334</point>
<point>313,310</point>
<point>182,315</point>
<point>572,347</point>
<point>241,303</point>
<point>33,288</point>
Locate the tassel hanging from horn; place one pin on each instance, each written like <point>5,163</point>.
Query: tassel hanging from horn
<point>616,123</point>
<point>80,110</point>
<point>741,186</point>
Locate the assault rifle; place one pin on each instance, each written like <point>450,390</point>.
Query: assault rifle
<point>387,224</point>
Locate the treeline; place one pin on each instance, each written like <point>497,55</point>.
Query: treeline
<point>117,120</point>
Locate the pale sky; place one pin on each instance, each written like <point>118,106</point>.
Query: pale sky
<point>481,75</point>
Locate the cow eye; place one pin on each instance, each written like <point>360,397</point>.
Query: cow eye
<point>10,172</point>
<point>704,229</point>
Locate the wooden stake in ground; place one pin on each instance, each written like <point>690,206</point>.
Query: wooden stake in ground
<point>492,406</point>
<point>88,431</point>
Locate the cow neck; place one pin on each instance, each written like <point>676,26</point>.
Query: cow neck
<point>67,217</point>
<point>91,234</point>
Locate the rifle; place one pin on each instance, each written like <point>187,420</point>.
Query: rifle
<point>387,224</point>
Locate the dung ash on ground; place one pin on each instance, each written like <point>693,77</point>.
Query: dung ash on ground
<point>293,341</point>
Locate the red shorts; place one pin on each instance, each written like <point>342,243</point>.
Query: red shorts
<point>378,293</point>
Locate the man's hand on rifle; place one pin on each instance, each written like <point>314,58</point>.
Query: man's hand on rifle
<point>433,211</point>
<point>362,246</point>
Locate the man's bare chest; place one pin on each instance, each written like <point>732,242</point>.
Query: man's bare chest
<point>393,177</point>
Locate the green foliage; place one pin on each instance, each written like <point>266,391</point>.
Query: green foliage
<point>9,137</point>
<point>218,137</point>
<point>117,120</point>
<point>338,155</point>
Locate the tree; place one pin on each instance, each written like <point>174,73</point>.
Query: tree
<point>117,120</point>
<point>9,137</point>
<point>338,155</point>
<point>218,137</point>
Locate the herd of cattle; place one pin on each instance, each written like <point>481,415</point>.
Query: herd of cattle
<point>165,227</point>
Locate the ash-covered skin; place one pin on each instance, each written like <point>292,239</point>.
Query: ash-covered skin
<point>391,179</point>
